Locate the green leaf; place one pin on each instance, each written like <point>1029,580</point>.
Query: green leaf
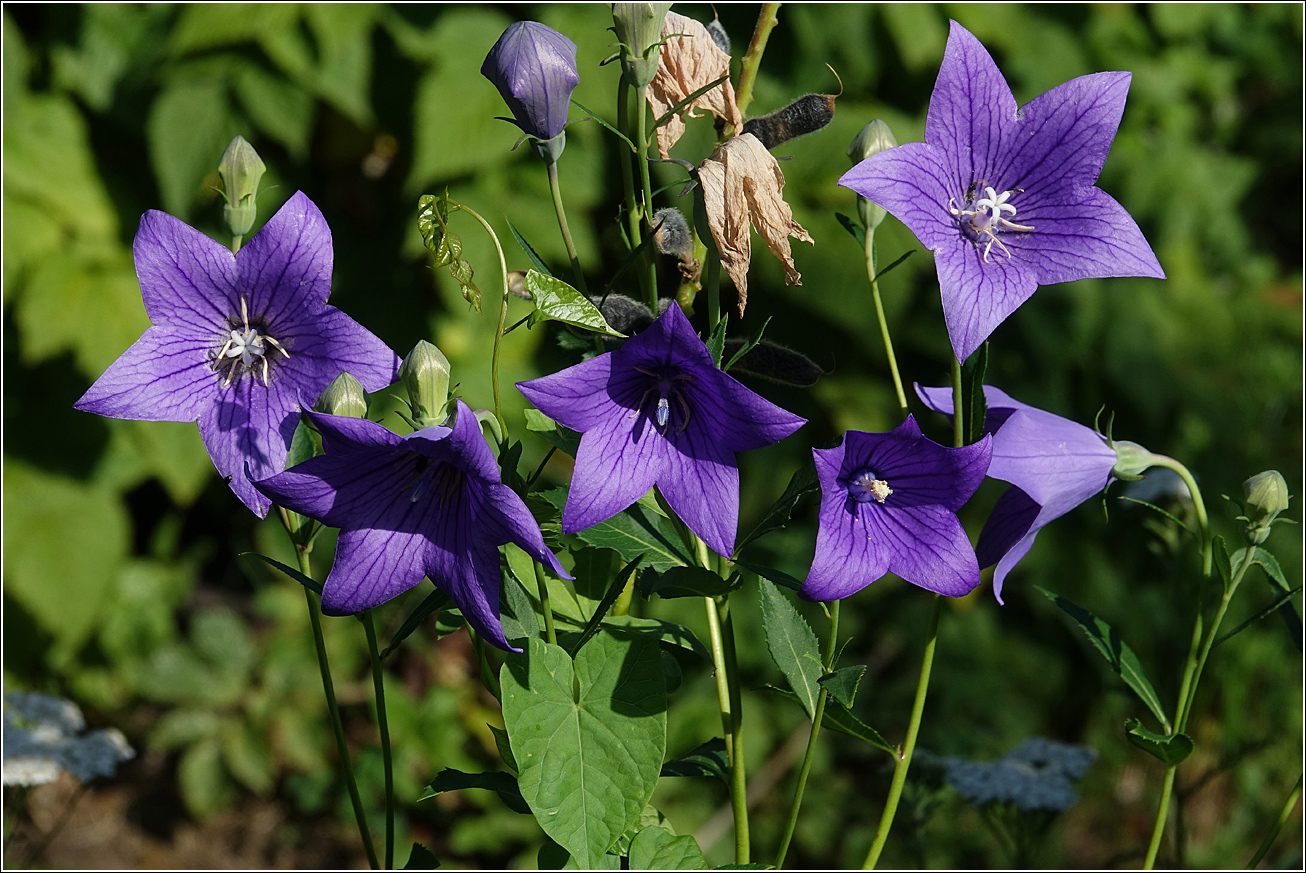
<point>189,125</point>
<point>904,256</point>
<point>853,227</point>
<point>555,300</point>
<point>792,645</point>
<point>1271,566</point>
<point>802,483</point>
<point>658,849</point>
<point>972,389</point>
<point>462,272</point>
<point>1159,511</point>
<point>716,343</point>
<point>589,737</point>
<point>748,344</point>
<point>1171,749</point>
<point>421,858</point>
<point>502,784</point>
<point>277,106</point>
<point>433,602</point>
<point>633,532</point>
<point>205,786</point>
<point>521,609</point>
<point>779,577</point>
<point>505,749</point>
<point>667,633</point>
<point>1222,562</point>
<point>687,582</point>
<point>248,756</point>
<point>842,684</point>
<point>614,591</point>
<point>315,587</point>
<point>1121,658</point>
<point>840,719</point>
<point>555,434</point>
<point>1274,575</point>
<point>710,759</point>
<point>531,255</point>
<point>433,224</point>
<point>1285,597</point>
<point>612,129</point>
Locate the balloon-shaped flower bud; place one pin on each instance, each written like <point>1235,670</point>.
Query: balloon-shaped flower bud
<point>639,30</point>
<point>425,376</point>
<point>1265,495</point>
<point>241,170</point>
<point>534,68</point>
<point>874,138</point>
<point>344,396</point>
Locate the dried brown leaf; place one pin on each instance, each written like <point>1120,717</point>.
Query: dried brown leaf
<point>687,63</point>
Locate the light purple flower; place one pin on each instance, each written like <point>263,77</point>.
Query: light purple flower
<point>1005,196</point>
<point>428,504</point>
<point>534,68</point>
<point>237,340</point>
<point>1054,464</point>
<point>889,504</point>
<point>658,412</point>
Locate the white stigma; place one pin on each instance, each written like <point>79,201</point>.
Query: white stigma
<point>247,344</point>
<point>988,215</point>
<point>865,487</point>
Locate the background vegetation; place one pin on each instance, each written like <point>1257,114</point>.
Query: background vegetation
<point>122,589</point>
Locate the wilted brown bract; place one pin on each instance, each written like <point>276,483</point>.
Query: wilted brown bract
<point>743,182</point>
<point>688,63</point>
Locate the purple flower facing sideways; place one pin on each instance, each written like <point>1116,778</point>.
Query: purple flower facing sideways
<point>428,504</point>
<point>657,411</point>
<point>236,340</point>
<point>1004,196</point>
<point>1053,463</point>
<point>534,68</point>
<point>889,504</point>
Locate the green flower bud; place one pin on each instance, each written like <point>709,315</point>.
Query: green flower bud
<point>639,29</point>
<point>1265,495</point>
<point>874,138</point>
<point>344,396</point>
<point>241,170</point>
<point>425,375</point>
<point>1131,460</point>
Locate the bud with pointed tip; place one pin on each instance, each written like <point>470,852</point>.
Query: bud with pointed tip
<point>1265,495</point>
<point>639,29</point>
<point>241,170</point>
<point>534,68</point>
<point>425,376</point>
<point>874,138</point>
<point>344,396</point>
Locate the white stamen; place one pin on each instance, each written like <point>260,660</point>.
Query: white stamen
<point>988,215</point>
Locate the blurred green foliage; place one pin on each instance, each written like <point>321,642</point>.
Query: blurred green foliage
<point>121,585</point>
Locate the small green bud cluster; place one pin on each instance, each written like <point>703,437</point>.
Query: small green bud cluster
<point>241,170</point>
<point>425,377</point>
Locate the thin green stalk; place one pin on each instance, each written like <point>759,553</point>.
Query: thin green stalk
<point>738,777</point>
<point>488,677</point>
<point>903,763</point>
<point>1167,784</point>
<point>719,672</point>
<point>329,689</point>
<point>503,312</point>
<point>1203,522</point>
<point>628,188</point>
<point>550,636</point>
<point>1278,826</point>
<point>766,22</point>
<point>712,282</point>
<point>556,191</point>
<point>884,324</point>
<point>828,667</point>
<point>378,684</point>
<point>641,131</point>
<point>958,420</point>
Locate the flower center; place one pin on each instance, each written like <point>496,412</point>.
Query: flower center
<point>443,479</point>
<point>668,387</point>
<point>245,351</point>
<point>865,487</point>
<point>985,218</point>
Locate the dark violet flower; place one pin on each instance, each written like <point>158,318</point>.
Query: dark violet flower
<point>1054,464</point>
<point>428,504</point>
<point>889,504</point>
<point>534,68</point>
<point>237,340</point>
<point>1005,196</point>
<point>658,412</point>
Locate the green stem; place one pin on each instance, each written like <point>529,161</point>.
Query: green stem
<point>827,667</point>
<point>1202,521</point>
<point>550,636</point>
<point>378,683</point>
<point>766,22</point>
<point>738,777</point>
<point>329,689</point>
<point>903,763</point>
<point>556,190</point>
<point>1278,826</point>
<point>958,419</point>
<point>628,187</point>
<point>884,324</point>
<point>641,128</point>
<point>488,677</point>
<point>503,311</point>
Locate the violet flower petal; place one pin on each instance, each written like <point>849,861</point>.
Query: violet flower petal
<point>1008,534</point>
<point>928,548</point>
<point>534,68</point>
<point>161,377</point>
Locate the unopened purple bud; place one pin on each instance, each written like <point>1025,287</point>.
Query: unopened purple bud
<point>534,68</point>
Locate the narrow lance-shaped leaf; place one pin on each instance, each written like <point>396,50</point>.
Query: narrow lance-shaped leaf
<point>792,645</point>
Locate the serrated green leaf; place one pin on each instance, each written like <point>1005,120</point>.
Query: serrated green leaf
<point>433,224</point>
<point>840,719</point>
<point>792,644</point>
<point>709,759</point>
<point>1171,749</point>
<point>520,610</point>
<point>555,300</point>
<point>502,784</point>
<point>842,684</point>
<point>716,343</point>
<point>589,736</point>
<point>1121,658</point>
<point>433,602</point>
<point>462,272</point>
<point>802,483</point>
<point>421,858</point>
<point>687,582</point>
<point>1277,581</point>
<point>633,532</point>
<point>658,849</point>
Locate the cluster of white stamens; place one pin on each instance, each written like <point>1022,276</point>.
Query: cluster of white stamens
<point>988,215</point>
<point>666,388</point>
<point>865,487</point>
<point>248,345</point>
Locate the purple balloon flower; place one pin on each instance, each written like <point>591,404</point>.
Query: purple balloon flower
<point>237,340</point>
<point>657,411</point>
<point>1054,464</point>
<point>1005,196</point>
<point>534,68</point>
<point>889,504</point>
<point>428,504</point>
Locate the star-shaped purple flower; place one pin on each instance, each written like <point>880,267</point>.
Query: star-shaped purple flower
<point>1005,196</point>
<point>236,340</point>
<point>1054,464</point>
<point>428,504</point>
<point>657,411</point>
<point>889,504</point>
